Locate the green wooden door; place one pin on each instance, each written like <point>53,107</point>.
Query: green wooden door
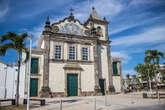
<point>101,83</point>
<point>33,87</point>
<point>72,85</point>
<point>34,65</point>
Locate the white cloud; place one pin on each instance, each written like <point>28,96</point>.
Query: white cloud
<point>129,71</point>
<point>135,13</point>
<point>38,7</point>
<point>83,9</point>
<point>3,12</point>
<point>160,47</point>
<point>37,31</point>
<point>145,2</point>
<point>112,7</point>
<point>155,35</point>
<point>4,9</point>
<point>123,55</point>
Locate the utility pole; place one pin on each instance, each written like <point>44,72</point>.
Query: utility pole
<point>5,82</point>
<point>28,95</point>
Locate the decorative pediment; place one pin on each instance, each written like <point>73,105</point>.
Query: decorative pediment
<point>68,26</point>
<point>71,28</point>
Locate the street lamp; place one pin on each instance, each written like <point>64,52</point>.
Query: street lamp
<point>28,96</point>
<point>5,81</point>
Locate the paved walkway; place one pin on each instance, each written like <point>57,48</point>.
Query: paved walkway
<point>114,102</point>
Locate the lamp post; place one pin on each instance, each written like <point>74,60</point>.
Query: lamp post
<point>5,82</point>
<point>28,95</point>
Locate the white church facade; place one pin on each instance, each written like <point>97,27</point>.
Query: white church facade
<point>74,59</point>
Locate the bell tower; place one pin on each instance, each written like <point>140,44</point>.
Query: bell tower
<point>99,28</point>
<point>97,25</point>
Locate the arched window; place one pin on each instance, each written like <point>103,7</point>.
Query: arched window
<point>99,29</point>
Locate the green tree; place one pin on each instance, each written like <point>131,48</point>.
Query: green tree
<point>17,42</point>
<point>142,70</point>
<point>128,80</point>
<point>134,76</point>
<point>128,76</point>
<point>152,57</point>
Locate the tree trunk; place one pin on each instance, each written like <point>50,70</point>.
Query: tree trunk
<point>18,79</point>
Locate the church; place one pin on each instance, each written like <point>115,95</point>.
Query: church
<point>74,59</point>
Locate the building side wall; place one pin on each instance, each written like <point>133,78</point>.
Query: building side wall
<point>9,76</point>
<point>117,83</point>
<point>39,76</point>
<point>104,64</point>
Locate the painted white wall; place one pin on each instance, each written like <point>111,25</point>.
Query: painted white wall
<point>104,63</point>
<point>43,44</point>
<point>87,78</point>
<point>117,83</point>
<point>9,76</point>
<point>56,77</point>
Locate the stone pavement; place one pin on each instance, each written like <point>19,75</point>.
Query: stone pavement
<point>114,102</point>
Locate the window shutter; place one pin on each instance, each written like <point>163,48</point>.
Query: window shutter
<point>115,72</point>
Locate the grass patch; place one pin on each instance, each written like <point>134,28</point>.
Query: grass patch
<point>13,107</point>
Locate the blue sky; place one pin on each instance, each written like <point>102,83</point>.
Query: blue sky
<point>135,25</point>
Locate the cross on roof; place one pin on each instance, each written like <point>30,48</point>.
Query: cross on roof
<point>71,10</point>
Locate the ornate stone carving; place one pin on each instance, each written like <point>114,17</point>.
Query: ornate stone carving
<point>71,28</point>
<point>55,28</point>
<point>87,32</point>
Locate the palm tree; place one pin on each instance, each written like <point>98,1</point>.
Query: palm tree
<point>17,42</point>
<point>152,57</point>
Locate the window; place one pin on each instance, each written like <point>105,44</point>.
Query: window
<point>84,53</point>
<point>34,65</point>
<point>99,29</point>
<point>115,72</point>
<point>57,51</point>
<point>72,53</point>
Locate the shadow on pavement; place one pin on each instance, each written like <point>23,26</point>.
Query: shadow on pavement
<point>65,101</point>
<point>152,107</point>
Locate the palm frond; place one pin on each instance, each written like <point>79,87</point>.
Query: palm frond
<point>5,47</point>
<point>147,52</point>
<point>9,36</point>
<point>161,54</point>
<point>24,35</point>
